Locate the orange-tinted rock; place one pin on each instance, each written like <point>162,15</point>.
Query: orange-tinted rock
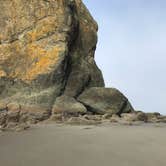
<point>44,47</point>
<point>47,62</point>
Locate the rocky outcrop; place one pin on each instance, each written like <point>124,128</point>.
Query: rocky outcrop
<point>105,100</point>
<point>46,50</point>
<point>47,66</point>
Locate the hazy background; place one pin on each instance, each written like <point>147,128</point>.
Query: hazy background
<point>131,49</point>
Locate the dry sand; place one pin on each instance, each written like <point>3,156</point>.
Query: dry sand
<point>110,145</point>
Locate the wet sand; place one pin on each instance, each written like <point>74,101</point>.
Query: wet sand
<point>58,145</point>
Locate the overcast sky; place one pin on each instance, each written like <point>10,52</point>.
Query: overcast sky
<point>131,49</point>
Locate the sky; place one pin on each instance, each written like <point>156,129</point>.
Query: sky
<point>131,50</point>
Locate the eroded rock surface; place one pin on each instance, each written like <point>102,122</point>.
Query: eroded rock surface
<point>47,67</point>
<point>46,50</point>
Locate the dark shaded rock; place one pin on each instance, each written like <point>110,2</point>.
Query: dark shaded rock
<point>105,100</point>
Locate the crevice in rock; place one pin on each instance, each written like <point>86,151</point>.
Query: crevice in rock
<point>122,108</point>
<point>71,47</point>
<point>83,87</point>
<point>72,39</point>
<point>90,109</point>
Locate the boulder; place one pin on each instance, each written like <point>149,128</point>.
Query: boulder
<point>128,117</point>
<point>135,116</point>
<point>141,116</point>
<point>115,119</point>
<point>14,107</point>
<point>105,100</point>
<point>68,105</point>
<point>13,116</point>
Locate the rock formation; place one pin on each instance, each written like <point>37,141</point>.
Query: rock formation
<point>46,50</point>
<point>47,62</point>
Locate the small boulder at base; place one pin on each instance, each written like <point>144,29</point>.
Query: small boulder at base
<point>135,116</point>
<point>105,100</point>
<point>68,105</point>
<point>48,68</point>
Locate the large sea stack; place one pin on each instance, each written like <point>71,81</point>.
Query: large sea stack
<point>47,62</point>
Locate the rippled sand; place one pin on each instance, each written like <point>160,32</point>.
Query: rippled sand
<point>105,145</point>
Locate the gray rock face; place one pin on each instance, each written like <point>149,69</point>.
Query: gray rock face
<point>105,100</point>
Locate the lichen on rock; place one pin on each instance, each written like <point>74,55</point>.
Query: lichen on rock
<point>46,53</point>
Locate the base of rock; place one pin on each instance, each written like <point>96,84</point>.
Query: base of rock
<point>18,121</point>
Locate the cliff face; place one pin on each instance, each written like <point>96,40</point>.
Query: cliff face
<point>47,55</point>
<point>46,49</point>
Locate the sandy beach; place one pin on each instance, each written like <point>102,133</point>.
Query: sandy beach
<point>65,145</point>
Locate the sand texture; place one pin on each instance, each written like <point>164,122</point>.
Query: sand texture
<point>103,145</point>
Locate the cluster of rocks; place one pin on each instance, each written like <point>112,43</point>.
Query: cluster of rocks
<point>133,118</point>
<point>93,102</point>
<point>48,69</point>
<point>13,117</point>
<point>17,120</point>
